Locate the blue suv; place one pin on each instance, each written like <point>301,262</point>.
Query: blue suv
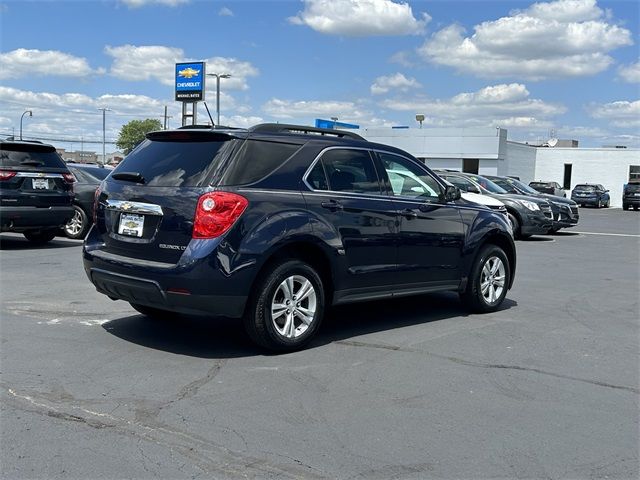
<point>591,194</point>
<point>274,224</point>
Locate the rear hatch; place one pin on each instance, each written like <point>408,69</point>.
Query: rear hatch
<point>632,190</point>
<point>33,175</point>
<point>147,205</point>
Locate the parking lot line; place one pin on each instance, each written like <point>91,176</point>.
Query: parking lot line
<point>608,234</point>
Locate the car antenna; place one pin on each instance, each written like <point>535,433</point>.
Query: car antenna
<point>209,113</point>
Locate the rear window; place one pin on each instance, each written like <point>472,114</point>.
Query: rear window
<point>29,156</point>
<point>255,160</point>
<point>633,187</point>
<point>540,185</point>
<point>173,162</point>
<point>585,188</point>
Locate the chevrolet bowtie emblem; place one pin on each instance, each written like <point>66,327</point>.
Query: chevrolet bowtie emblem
<point>126,206</point>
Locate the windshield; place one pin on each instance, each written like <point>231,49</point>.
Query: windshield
<point>505,184</point>
<point>524,187</point>
<point>633,187</point>
<point>487,184</point>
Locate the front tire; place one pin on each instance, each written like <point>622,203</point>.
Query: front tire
<point>488,281</point>
<point>287,307</point>
<point>77,227</point>
<point>515,226</point>
<point>40,237</point>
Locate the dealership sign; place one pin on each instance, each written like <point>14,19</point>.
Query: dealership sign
<point>190,81</point>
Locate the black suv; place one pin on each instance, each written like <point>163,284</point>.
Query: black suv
<point>275,223</point>
<point>36,190</point>
<point>631,196</point>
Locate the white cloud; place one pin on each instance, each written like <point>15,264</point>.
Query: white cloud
<point>395,82</point>
<point>564,38</point>
<point>225,12</point>
<point>502,105</point>
<point>304,112</point>
<point>630,73</point>
<point>143,3</point>
<point>622,114</point>
<point>360,18</point>
<point>22,62</point>
<point>157,62</point>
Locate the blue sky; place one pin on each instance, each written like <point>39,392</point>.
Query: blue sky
<point>569,66</point>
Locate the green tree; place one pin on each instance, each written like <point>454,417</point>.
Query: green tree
<point>133,133</point>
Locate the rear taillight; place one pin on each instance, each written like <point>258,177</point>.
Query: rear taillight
<point>216,213</point>
<point>6,174</point>
<point>69,177</point>
<point>96,201</point>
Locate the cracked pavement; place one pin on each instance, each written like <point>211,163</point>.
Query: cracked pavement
<point>414,388</point>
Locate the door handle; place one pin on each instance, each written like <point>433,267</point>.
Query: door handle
<point>409,214</point>
<point>332,205</point>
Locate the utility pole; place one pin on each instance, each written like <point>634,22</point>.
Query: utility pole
<point>165,117</point>
<point>104,111</point>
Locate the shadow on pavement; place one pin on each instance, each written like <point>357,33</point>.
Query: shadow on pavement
<point>14,242</point>
<point>536,239</point>
<point>225,338</point>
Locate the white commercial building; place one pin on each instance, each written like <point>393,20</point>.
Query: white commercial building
<point>487,151</point>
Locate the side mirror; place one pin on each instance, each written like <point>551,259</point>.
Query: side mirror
<point>451,193</point>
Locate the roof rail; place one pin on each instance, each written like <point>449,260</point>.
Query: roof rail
<point>303,130</point>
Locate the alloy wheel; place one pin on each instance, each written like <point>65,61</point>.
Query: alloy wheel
<point>293,306</point>
<point>74,226</point>
<point>492,280</point>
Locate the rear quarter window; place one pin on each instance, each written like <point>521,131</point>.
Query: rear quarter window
<point>256,159</point>
<point>29,156</point>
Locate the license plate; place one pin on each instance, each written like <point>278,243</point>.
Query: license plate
<point>40,183</point>
<point>131,225</point>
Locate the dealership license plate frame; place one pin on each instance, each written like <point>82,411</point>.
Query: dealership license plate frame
<point>40,183</point>
<point>131,225</point>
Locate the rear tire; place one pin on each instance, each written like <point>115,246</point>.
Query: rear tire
<point>287,307</point>
<point>625,206</point>
<point>152,312</point>
<point>488,281</point>
<point>77,227</point>
<point>40,237</point>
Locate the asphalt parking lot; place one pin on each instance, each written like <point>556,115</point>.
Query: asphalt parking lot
<point>548,387</point>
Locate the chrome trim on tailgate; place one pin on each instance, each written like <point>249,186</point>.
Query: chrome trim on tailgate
<point>134,207</point>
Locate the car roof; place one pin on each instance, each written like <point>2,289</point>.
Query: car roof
<point>43,147</point>
<point>281,131</point>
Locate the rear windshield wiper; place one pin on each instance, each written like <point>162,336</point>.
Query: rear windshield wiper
<point>128,176</point>
<point>35,163</point>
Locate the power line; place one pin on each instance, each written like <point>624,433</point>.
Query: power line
<point>59,139</point>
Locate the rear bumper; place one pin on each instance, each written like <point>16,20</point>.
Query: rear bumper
<point>195,287</point>
<point>18,219</point>
<point>586,200</point>
<point>631,201</point>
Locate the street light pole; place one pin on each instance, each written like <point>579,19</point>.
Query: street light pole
<point>21,117</point>
<point>218,77</point>
<point>104,111</point>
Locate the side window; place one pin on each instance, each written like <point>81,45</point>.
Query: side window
<point>351,171</point>
<point>408,179</point>
<point>317,178</point>
<point>462,183</point>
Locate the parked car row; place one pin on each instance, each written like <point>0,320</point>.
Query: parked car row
<point>40,195</point>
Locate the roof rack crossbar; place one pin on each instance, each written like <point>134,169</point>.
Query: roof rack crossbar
<point>303,130</point>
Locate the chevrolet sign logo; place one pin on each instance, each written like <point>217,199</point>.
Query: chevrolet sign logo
<point>126,206</point>
<point>188,72</point>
